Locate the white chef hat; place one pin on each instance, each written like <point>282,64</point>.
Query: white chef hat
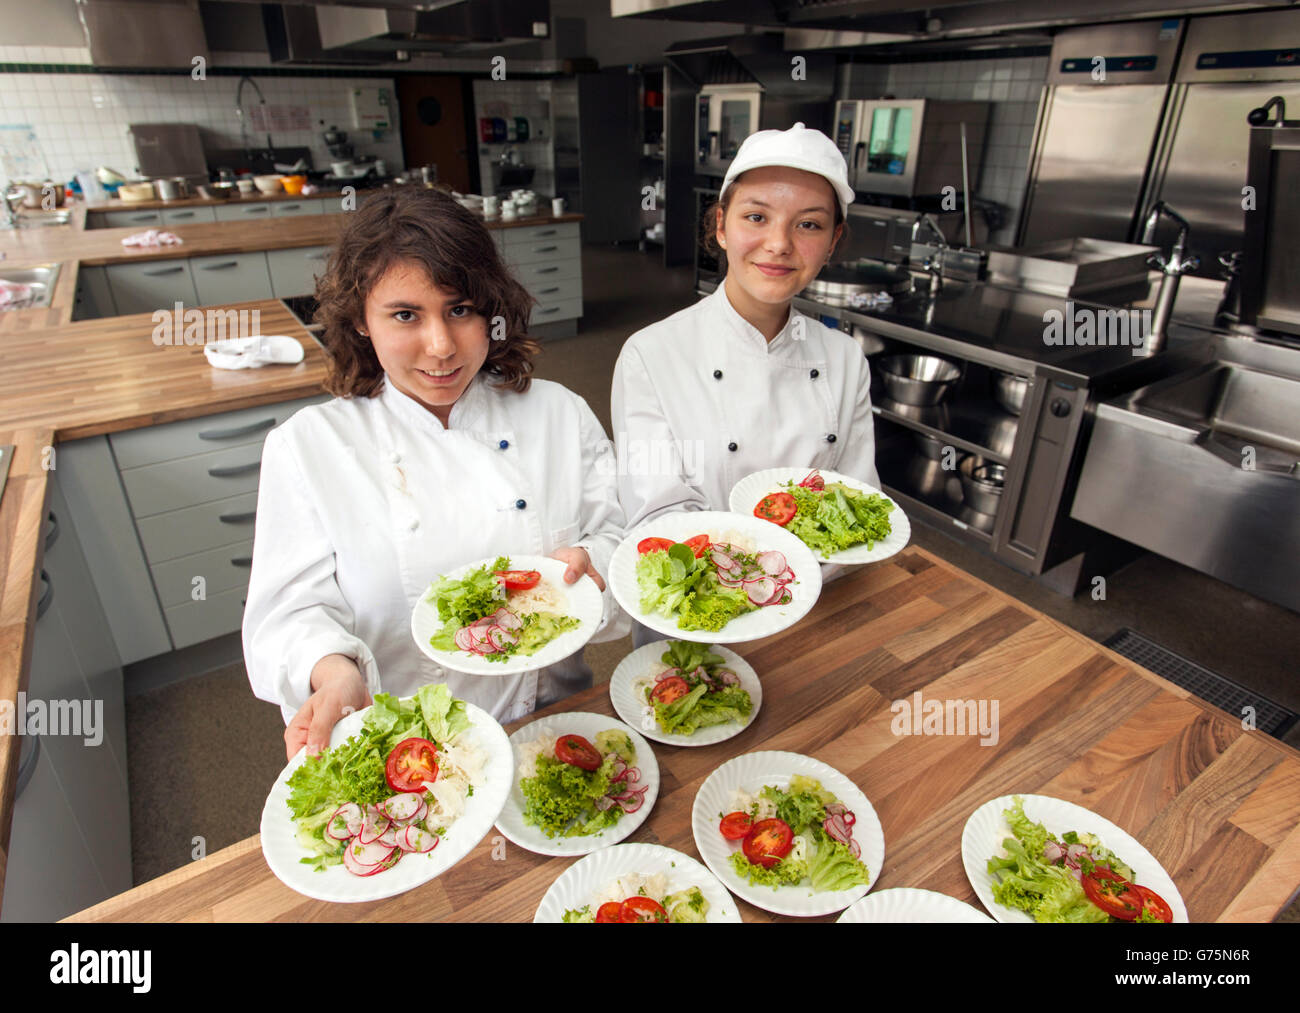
<point>796,148</point>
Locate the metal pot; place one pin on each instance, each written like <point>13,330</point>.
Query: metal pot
<point>31,194</point>
<point>166,189</point>
<point>836,285</point>
<point>981,483</point>
<point>1010,390</point>
<point>917,379</point>
<point>930,446</point>
<point>871,344</point>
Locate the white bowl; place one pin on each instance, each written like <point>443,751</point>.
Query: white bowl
<point>268,184</point>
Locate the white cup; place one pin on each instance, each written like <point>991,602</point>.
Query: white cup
<point>491,206</point>
<point>557,207</point>
<point>508,211</point>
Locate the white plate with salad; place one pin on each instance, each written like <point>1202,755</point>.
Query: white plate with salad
<point>506,615</point>
<point>714,577</point>
<point>908,905</point>
<point>686,694</point>
<point>841,519</point>
<point>788,833</point>
<point>581,782</point>
<point>337,828</point>
<point>1036,858</point>
<point>637,882</point>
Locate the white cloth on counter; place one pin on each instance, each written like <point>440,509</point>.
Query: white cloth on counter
<point>364,501</point>
<point>252,352</point>
<point>153,237</point>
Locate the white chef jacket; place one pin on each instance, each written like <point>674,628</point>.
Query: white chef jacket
<point>691,386</point>
<point>364,501</point>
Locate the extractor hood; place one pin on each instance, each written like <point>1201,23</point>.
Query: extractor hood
<point>760,57</point>
<point>458,27</point>
<point>143,33</point>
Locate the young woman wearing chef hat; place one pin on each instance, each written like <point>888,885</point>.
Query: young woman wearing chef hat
<point>438,450</point>
<point>742,381</point>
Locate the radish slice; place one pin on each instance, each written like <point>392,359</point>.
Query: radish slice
<point>786,576</point>
<point>346,818</point>
<point>727,677</point>
<point>373,827</point>
<point>631,805</point>
<point>509,620</point>
<point>728,581</point>
<point>355,867</point>
<point>772,563</point>
<point>667,673</point>
<point>722,560</point>
<point>779,596</point>
<point>389,837</point>
<point>416,840</point>
<point>760,591</point>
<point>370,854</point>
<point>402,807</point>
<point>462,638</point>
<point>605,802</point>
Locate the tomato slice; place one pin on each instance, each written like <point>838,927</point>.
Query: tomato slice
<point>698,545</point>
<point>672,688</point>
<point>577,752</point>
<point>410,764</point>
<point>1113,893</point>
<point>654,545</point>
<point>779,508</point>
<point>768,841</point>
<point>519,580</point>
<point>642,909</point>
<point>610,912</point>
<point>735,826</point>
<point>1153,902</point>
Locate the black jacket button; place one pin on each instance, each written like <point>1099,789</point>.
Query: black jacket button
<point>731,446</point>
<point>814,374</point>
<point>504,444</point>
<point>830,438</point>
<point>520,504</point>
<point>717,374</point>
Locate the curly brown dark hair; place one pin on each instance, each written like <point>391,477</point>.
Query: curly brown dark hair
<point>454,247</point>
<point>709,230</point>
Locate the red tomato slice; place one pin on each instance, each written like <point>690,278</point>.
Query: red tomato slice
<point>672,688</point>
<point>736,826</point>
<point>610,912</point>
<point>654,545</point>
<point>642,909</point>
<point>779,508</point>
<point>410,764</point>
<point>1153,902</point>
<point>577,752</point>
<point>519,580</point>
<point>698,545</point>
<point>1113,893</point>
<point>768,841</point>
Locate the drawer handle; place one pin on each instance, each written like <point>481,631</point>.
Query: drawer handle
<point>143,218</point>
<point>290,207</point>
<point>256,211</point>
<point>164,270</point>
<point>182,214</point>
<point>242,561</point>
<point>220,267</point>
<point>317,256</point>
<point>230,434</point>
<point>238,518</point>
<point>548,270</point>
<point>547,232</point>
<point>548,291</point>
<point>47,599</point>
<point>235,470</point>
<point>550,309</point>
<point>28,768</point>
<point>53,536</point>
<point>545,249</point>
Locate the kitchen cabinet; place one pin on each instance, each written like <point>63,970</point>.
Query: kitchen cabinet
<point>294,272</point>
<point>70,845</point>
<point>188,216</point>
<point>151,285</point>
<point>128,219</point>
<point>285,209</point>
<point>242,212</point>
<point>231,278</point>
<point>94,297</point>
<point>547,260</point>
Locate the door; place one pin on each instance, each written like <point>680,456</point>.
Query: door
<point>434,132</point>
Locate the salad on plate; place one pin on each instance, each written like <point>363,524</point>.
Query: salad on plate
<point>828,517</point>
<point>635,897</point>
<point>786,836</point>
<point>692,688</point>
<point>1073,878</point>
<point>573,787</point>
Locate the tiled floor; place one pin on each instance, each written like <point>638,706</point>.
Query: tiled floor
<point>204,752</point>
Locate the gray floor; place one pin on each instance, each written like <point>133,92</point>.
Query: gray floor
<point>203,752</point>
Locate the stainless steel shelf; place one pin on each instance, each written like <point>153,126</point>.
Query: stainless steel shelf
<point>923,489</point>
<point>977,426</point>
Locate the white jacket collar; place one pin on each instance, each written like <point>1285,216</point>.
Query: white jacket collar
<point>468,411</point>
<point>750,337</point>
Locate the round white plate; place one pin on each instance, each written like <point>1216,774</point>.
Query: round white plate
<point>632,709</point>
<point>750,772</point>
<point>907,905</point>
<point>752,625</point>
<point>746,493</point>
<point>584,604</point>
<point>987,828</point>
<point>582,881</point>
<point>510,821</point>
<point>283,852</point>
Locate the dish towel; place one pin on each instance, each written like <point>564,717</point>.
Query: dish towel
<point>153,237</point>
<point>250,353</point>
<point>16,296</point>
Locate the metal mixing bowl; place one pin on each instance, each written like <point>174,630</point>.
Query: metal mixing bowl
<point>917,379</point>
<point>1010,390</point>
<point>981,483</point>
<point>930,446</point>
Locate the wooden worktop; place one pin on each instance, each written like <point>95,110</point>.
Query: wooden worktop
<point>195,202</point>
<point>1219,807</point>
<point>85,379</point>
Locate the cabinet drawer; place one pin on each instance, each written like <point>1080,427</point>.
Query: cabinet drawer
<point>188,216</point>
<point>130,219</point>
<point>289,208</point>
<point>545,313</point>
<point>242,212</point>
<point>539,233</point>
<point>222,569</point>
<point>543,249</point>
<point>194,529</point>
<point>229,279</point>
<point>172,485</point>
<point>543,272</point>
<point>197,621</point>
<point>151,285</point>
<point>294,272</point>
<point>203,435</point>
<point>553,290</point>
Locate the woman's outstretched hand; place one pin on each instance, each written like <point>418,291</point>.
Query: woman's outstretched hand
<point>578,563</point>
<point>339,689</point>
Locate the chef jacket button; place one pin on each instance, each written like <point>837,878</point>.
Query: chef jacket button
<point>731,446</point>
<point>520,504</point>
<point>717,374</point>
<point>504,444</point>
<point>814,374</point>
<point>394,457</point>
<point>830,438</point>
<point>415,523</point>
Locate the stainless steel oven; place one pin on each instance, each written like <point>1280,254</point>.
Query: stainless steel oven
<point>725,115</point>
<point>907,147</point>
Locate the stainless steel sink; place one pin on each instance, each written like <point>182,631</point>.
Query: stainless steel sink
<point>41,278</point>
<point>41,219</point>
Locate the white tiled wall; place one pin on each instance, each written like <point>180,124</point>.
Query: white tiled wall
<point>530,98</point>
<point>1013,85</point>
<point>80,120</point>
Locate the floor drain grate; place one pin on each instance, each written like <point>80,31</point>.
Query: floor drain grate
<point>1225,694</point>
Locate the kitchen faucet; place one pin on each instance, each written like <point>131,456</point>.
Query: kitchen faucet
<point>1173,267</point>
<point>243,124</point>
<point>932,262</point>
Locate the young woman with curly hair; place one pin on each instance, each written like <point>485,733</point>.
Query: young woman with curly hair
<point>438,449</point>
